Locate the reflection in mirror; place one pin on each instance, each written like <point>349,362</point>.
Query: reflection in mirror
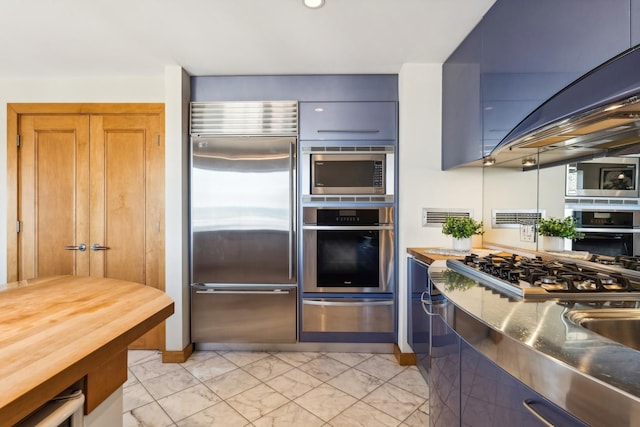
<point>510,197</point>
<point>590,191</point>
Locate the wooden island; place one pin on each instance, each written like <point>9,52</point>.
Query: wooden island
<point>57,331</point>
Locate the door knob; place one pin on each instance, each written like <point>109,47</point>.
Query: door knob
<point>81,247</point>
<point>97,247</point>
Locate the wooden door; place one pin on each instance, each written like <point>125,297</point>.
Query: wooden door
<point>95,180</point>
<point>53,196</point>
<point>127,204</point>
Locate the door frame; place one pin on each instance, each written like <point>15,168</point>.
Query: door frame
<point>14,110</point>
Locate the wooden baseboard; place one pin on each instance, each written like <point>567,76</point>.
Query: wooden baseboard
<point>404,359</point>
<point>177,356</point>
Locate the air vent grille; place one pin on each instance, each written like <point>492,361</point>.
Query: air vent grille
<point>505,218</point>
<point>435,217</point>
<point>348,199</point>
<point>356,149</point>
<point>244,118</point>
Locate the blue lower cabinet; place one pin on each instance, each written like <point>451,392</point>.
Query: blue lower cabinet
<point>419,324</point>
<point>444,375</point>
<point>491,397</point>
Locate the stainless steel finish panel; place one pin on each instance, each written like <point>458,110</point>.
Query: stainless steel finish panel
<point>244,118</point>
<point>243,314</point>
<point>310,251</point>
<point>243,210</point>
<point>347,315</point>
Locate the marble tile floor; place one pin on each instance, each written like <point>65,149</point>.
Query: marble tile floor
<point>241,388</point>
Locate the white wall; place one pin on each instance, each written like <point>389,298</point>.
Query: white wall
<point>177,96</point>
<point>422,182</point>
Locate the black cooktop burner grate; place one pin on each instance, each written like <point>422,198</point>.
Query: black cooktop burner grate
<point>551,275</point>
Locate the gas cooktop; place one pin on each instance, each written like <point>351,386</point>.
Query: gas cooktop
<point>535,278</point>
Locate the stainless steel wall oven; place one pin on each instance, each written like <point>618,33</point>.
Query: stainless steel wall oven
<point>348,250</point>
<point>608,232</point>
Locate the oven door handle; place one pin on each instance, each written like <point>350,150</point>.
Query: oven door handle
<point>333,303</point>
<point>347,227</point>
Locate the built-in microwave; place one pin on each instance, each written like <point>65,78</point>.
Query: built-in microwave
<point>348,173</point>
<point>606,177</point>
<point>354,171</point>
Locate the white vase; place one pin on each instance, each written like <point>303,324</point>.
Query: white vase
<point>462,245</point>
<point>553,244</point>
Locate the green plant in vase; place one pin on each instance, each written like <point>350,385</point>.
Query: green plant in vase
<point>555,230</point>
<point>461,229</point>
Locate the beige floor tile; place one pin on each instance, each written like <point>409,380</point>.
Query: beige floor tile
<point>153,368</point>
<point>351,359</point>
<point>324,368</point>
<point>257,402</point>
<point>380,366</point>
<point>267,368</point>
<point>242,358</point>
<point>325,401</point>
<point>218,415</point>
<point>394,401</point>
<point>411,380</point>
<point>199,356</point>
<point>419,417</point>
<point>357,383</point>
<point>150,415</point>
<point>294,383</point>
<point>170,383</point>
<point>363,415</point>
<point>296,358</point>
<point>135,397</point>
<point>135,357</point>
<point>211,368</point>
<point>188,402</point>
<point>289,415</point>
<point>232,383</point>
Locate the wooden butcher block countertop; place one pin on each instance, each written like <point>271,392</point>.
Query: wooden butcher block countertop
<point>56,331</point>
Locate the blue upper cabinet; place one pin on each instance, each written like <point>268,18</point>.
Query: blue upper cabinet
<point>461,126</point>
<point>344,121</point>
<point>635,22</point>
<point>528,51</point>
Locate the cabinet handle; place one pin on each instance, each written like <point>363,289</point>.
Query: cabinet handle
<point>528,406</point>
<point>97,247</point>
<point>81,247</point>
<point>350,130</point>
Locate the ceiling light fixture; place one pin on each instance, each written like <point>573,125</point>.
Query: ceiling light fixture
<point>488,161</point>
<point>313,4</point>
<point>530,161</point>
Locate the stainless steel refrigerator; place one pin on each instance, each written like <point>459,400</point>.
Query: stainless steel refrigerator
<point>243,239</point>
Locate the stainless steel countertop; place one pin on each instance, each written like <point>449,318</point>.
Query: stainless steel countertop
<point>588,375</point>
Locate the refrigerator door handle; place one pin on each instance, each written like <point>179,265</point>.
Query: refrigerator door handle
<point>239,292</point>
<point>292,207</point>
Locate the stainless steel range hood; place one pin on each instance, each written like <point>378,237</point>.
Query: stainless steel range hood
<point>598,115</point>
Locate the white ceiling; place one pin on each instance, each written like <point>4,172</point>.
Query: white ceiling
<point>76,38</point>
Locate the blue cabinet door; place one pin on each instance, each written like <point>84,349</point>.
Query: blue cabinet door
<point>344,121</point>
<point>419,322</point>
<point>635,22</point>
<point>490,397</point>
<point>444,374</point>
<point>461,115</point>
